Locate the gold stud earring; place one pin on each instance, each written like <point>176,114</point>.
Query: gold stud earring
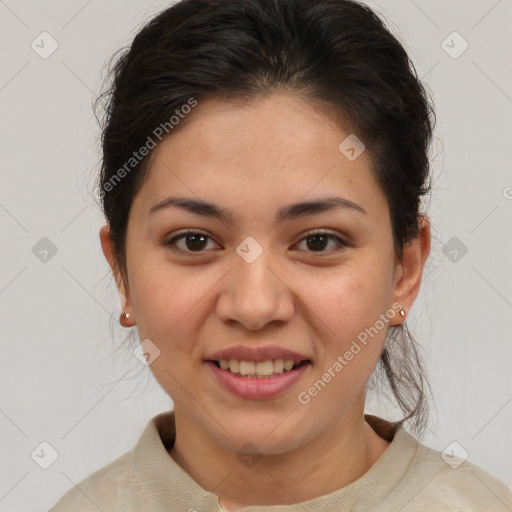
<point>402,313</point>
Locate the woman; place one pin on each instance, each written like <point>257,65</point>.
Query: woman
<point>263,168</point>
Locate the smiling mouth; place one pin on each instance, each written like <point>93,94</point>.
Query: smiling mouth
<point>259,370</point>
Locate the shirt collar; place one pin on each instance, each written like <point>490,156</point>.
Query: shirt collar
<point>167,486</point>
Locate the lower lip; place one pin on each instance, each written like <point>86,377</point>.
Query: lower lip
<point>254,388</point>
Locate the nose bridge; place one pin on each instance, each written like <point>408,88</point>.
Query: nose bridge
<point>254,295</point>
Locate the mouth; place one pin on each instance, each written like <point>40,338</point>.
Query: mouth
<point>257,373</point>
<point>268,369</point>
<point>258,380</point>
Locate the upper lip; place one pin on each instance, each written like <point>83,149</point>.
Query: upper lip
<point>257,354</point>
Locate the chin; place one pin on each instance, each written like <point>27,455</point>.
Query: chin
<point>273,438</point>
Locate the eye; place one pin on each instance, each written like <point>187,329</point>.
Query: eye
<point>190,242</point>
<point>319,240</point>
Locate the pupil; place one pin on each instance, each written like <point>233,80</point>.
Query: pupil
<point>198,241</point>
<point>319,238</point>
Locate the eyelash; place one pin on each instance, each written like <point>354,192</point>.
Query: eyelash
<point>331,236</point>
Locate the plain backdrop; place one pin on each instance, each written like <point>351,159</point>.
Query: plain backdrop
<point>62,380</point>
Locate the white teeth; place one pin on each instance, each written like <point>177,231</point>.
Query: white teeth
<point>265,368</point>
<point>288,365</point>
<point>278,366</point>
<point>260,369</point>
<point>247,367</point>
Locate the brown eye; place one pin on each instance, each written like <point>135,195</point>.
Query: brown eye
<point>318,242</point>
<point>189,242</point>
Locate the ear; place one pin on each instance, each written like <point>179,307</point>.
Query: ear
<point>108,250</point>
<point>410,268</point>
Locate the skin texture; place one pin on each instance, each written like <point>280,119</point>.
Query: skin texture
<point>253,159</point>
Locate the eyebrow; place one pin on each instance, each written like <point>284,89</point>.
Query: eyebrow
<point>292,211</point>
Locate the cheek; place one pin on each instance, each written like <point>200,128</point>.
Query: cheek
<point>169,304</point>
<point>350,298</point>
<point>164,297</point>
<point>347,309</point>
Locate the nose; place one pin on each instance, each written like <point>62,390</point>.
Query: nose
<point>255,294</point>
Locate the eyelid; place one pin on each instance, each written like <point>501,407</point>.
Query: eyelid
<point>320,231</point>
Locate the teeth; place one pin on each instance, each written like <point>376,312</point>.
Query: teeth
<point>265,368</point>
<point>260,369</point>
<point>247,367</point>
<point>278,366</point>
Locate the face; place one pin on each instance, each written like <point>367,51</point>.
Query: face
<point>263,281</point>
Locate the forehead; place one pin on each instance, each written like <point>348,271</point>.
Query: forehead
<point>275,149</point>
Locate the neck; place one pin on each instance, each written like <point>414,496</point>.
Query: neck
<point>339,457</point>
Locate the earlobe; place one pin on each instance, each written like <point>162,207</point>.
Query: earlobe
<point>410,271</point>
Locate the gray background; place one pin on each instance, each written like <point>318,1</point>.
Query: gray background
<point>62,380</point>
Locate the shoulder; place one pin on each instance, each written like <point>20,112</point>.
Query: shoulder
<point>141,479</point>
<point>450,484</point>
<point>112,488</point>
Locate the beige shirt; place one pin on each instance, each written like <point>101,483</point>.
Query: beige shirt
<point>408,477</point>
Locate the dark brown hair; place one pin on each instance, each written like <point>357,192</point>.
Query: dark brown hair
<point>337,53</point>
